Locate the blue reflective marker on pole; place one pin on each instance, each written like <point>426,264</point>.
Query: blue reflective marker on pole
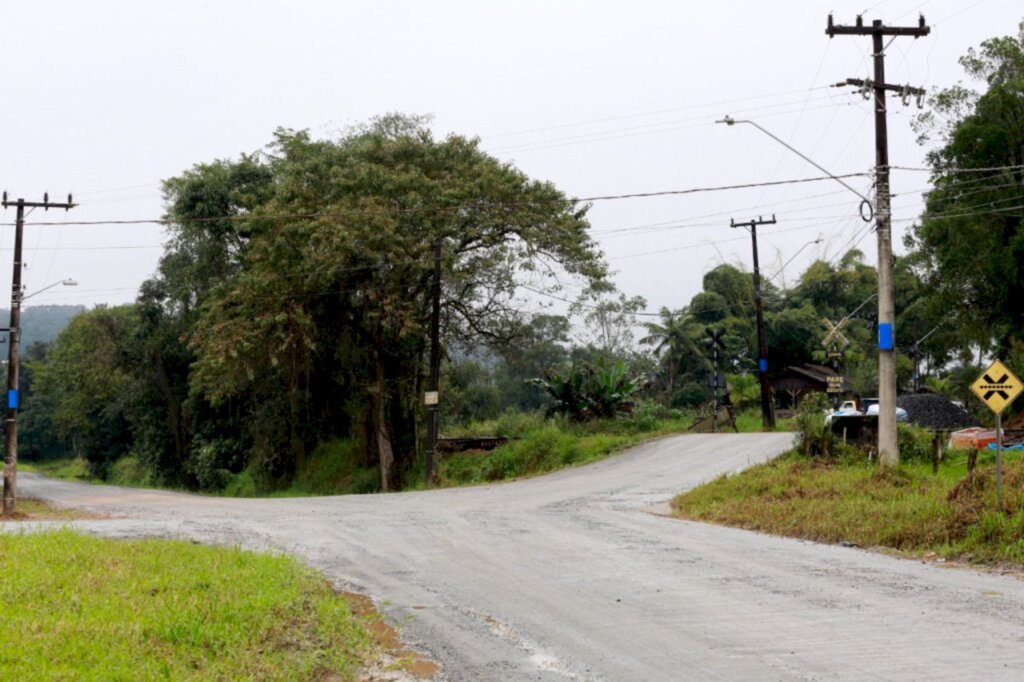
<point>885,336</point>
<point>763,364</point>
<point>12,399</point>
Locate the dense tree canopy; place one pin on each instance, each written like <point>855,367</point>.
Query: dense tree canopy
<point>970,241</point>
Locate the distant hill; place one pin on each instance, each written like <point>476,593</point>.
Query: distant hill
<point>40,322</point>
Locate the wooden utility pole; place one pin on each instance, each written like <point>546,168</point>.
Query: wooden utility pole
<point>13,398</point>
<point>432,398</point>
<point>767,409</point>
<point>888,449</point>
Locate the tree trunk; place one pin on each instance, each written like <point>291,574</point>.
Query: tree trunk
<point>385,453</point>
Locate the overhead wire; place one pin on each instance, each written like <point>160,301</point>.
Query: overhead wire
<point>615,133</point>
<point>457,208</point>
<point>657,112</point>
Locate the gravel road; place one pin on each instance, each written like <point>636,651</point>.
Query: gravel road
<point>578,576</point>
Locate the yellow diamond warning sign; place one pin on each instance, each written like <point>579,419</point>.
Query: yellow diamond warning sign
<point>997,387</point>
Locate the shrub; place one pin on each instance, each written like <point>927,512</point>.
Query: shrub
<point>242,485</point>
<point>333,468</point>
<point>810,420</point>
<point>128,471</point>
<point>915,443</point>
<point>597,390</point>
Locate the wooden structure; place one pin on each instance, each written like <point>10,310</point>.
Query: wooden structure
<point>796,381</point>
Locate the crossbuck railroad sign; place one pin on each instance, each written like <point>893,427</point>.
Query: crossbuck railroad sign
<point>835,331</point>
<point>997,387</point>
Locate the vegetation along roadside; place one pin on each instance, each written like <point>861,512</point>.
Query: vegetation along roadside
<point>198,613</point>
<point>845,497</point>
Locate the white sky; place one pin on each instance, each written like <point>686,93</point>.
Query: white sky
<point>105,99</point>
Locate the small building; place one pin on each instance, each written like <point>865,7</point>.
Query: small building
<point>796,381</point>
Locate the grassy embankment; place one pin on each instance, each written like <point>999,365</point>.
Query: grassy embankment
<point>850,499</point>
<point>77,607</point>
<point>536,445</point>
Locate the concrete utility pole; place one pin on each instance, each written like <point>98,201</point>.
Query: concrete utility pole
<point>13,398</point>
<point>432,399</point>
<point>888,449</point>
<point>767,409</point>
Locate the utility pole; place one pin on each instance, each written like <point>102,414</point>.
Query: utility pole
<point>767,409</point>
<point>888,452</point>
<point>432,398</point>
<point>13,398</point>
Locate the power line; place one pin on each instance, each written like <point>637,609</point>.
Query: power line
<point>456,208</point>
<point>706,105</point>
<point>552,144</point>
<point>703,119</point>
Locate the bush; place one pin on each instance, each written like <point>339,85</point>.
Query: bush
<point>597,390</point>
<point>242,485</point>
<point>648,414</point>
<point>810,421</point>
<point>509,424</point>
<point>333,468</point>
<point>692,394</point>
<point>915,443</point>
<point>128,471</point>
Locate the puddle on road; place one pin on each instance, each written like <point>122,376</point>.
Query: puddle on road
<point>412,662</point>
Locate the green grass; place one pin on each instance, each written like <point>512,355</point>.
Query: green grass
<point>540,446</point>
<point>74,469</point>
<point>83,608</point>
<point>749,421</point>
<point>30,508</point>
<point>850,500</point>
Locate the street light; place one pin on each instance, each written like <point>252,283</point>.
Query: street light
<point>66,282</point>
<point>730,121</point>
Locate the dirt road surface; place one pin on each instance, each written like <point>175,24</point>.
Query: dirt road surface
<point>576,576</point>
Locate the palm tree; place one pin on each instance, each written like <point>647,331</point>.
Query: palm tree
<point>671,343</point>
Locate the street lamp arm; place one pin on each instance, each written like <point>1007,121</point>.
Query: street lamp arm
<point>729,120</point>
<point>66,282</point>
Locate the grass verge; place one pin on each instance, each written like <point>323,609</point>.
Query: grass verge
<point>540,446</point>
<point>72,469</point>
<point>909,509</point>
<point>31,509</point>
<point>78,607</point>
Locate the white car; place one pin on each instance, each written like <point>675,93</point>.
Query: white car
<point>843,411</point>
<point>901,414</point>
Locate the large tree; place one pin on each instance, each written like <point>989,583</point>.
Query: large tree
<point>323,325</point>
<point>970,239</point>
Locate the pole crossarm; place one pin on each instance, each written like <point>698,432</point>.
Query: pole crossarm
<point>45,204</point>
<point>901,89</point>
<point>877,28</point>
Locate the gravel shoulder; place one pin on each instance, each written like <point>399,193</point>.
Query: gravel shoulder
<point>576,575</point>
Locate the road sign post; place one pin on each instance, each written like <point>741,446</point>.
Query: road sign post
<point>997,387</point>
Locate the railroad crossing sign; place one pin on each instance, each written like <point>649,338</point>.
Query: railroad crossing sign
<point>997,387</point>
<point>715,337</point>
<point>835,331</point>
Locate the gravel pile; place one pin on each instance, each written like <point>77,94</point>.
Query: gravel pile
<point>935,412</point>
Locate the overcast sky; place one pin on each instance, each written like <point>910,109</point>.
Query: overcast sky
<point>106,99</point>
